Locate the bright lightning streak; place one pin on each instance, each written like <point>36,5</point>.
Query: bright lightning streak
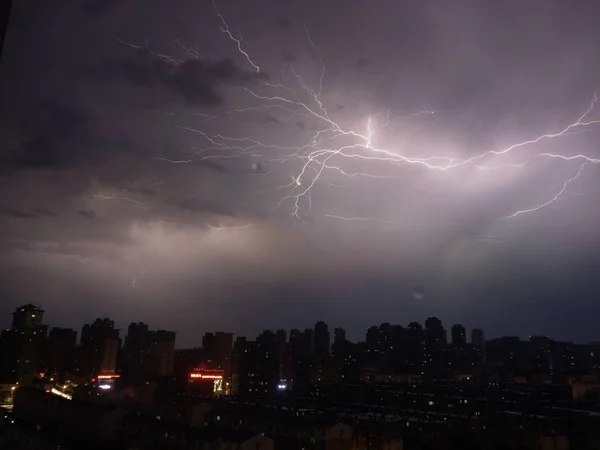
<point>224,228</point>
<point>390,117</point>
<point>332,143</point>
<point>553,199</point>
<point>318,94</point>
<point>320,157</point>
<point>581,122</point>
<point>238,41</point>
<point>129,44</point>
<point>174,161</point>
<point>176,61</point>
<point>116,197</point>
<point>190,51</point>
<point>360,219</point>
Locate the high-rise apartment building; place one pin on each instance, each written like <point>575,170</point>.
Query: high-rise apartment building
<point>27,316</point>
<point>257,366</point>
<point>459,335</point>
<point>218,348</point>
<point>21,346</point>
<point>322,339</point>
<point>435,332</point>
<point>478,341</point>
<point>60,351</point>
<point>135,352</point>
<point>161,354</point>
<point>283,355</point>
<point>99,348</point>
<point>340,344</point>
<point>477,338</point>
<point>339,335</point>
<point>435,343</point>
<point>147,354</point>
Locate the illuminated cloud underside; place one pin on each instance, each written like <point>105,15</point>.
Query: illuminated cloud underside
<point>333,145</point>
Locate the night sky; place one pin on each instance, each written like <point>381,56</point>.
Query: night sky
<point>156,168</point>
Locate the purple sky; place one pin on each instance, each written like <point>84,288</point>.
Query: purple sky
<point>150,172</point>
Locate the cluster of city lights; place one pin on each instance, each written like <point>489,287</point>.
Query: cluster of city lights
<point>206,377</point>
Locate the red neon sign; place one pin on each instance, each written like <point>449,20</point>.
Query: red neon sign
<point>107,377</point>
<point>206,377</point>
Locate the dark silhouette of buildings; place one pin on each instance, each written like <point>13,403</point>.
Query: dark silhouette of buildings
<point>459,335</point>
<point>273,365</point>
<point>99,348</point>
<point>435,336</point>
<point>435,332</point>
<point>186,360</point>
<point>478,342</point>
<point>258,365</point>
<point>339,335</point>
<point>285,363</point>
<point>21,346</point>
<point>146,354</point>
<point>322,339</point>
<point>135,352</point>
<point>218,348</point>
<point>60,354</point>
<point>161,354</point>
<point>341,346</point>
<point>477,338</point>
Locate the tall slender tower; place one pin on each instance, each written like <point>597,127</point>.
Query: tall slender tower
<point>5,7</point>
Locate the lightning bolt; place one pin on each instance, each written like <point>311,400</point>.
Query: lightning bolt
<point>170,59</point>
<point>174,161</point>
<point>238,41</point>
<point>332,144</point>
<point>116,197</point>
<point>360,219</point>
<point>581,122</point>
<point>553,199</point>
<point>317,95</point>
<point>190,51</point>
<point>223,228</point>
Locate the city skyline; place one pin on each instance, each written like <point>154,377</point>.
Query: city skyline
<point>454,333</point>
<point>227,166</point>
<point>272,361</point>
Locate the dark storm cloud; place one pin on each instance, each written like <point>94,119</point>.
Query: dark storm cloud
<point>89,214</point>
<point>203,206</point>
<point>363,62</point>
<point>208,164</point>
<point>144,191</point>
<point>272,120</point>
<point>283,24</point>
<point>15,245</point>
<point>212,165</point>
<point>16,213</point>
<point>45,212</point>
<point>137,236</point>
<point>289,57</point>
<point>94,7</point>
<point>197,82</point>
<point>59,130</point>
